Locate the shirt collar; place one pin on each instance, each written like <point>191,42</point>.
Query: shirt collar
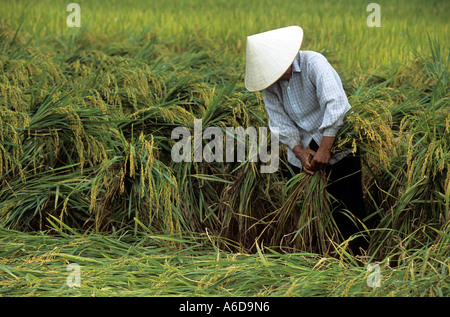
<point>296,64</point>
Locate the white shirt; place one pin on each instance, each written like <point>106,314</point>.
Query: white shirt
<point>310,105</point>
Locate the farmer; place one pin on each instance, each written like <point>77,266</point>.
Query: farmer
<point>305,100</point>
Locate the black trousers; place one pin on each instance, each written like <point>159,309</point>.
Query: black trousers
<point>345,186</point>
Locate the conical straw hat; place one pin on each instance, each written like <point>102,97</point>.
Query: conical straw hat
<point>269,55</point>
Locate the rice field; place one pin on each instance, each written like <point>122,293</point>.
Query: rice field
<point>86,174</point>
<point>146,265</point>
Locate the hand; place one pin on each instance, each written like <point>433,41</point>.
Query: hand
<point>321,160</point>
<point>305,156</point>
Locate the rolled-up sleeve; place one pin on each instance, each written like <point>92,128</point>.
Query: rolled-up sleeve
<point>289,133</point>
<point>331,96</point>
